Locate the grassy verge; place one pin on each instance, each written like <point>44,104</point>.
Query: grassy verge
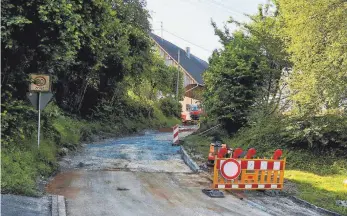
<point>320,190</point>
<point>319,178</point>
<point>23,164</point>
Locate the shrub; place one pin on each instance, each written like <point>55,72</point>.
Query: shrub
<point>170,107</point>
<point>18,172</point>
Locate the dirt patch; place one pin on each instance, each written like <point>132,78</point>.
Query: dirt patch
<point>161,194</point>
<point>165,129</point>
<point>61,185</point>
<point>290,188</point>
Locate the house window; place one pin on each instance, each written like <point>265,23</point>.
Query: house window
<point>162,53</point>
<point>187,80</point>
<point>168,62</point>
<point>187,107</point>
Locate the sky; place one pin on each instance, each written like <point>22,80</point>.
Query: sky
<point>187,23</point>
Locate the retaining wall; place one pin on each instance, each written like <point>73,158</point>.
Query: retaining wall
<point>186,158</point>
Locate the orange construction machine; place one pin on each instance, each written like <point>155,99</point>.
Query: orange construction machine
<point>217,149</point>
<point>192,114</point>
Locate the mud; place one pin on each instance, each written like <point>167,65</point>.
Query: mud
<point>60,184</point>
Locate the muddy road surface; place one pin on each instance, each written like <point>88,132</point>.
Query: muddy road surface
<point>144,175</point>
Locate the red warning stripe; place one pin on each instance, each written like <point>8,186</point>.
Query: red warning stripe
<point>270,165</point>
<point>241,185</point>
<point>257,165</point>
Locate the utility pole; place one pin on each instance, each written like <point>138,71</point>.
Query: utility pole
<point>162,29</point>
<point>178,74</point>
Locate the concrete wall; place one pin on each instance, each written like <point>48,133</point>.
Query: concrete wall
<point>186,158</point>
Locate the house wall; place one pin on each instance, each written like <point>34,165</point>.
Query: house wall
<point>171,62</point>
<point>184,103</point>
<point>188,100</point>
<point>186,81</point>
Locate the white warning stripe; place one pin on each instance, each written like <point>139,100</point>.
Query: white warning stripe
<point>250,165</point>
<point>277,165</point>
<point>263,165</point>
<point>221,163</point>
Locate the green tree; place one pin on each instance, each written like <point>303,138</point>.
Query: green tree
<point>232,80</point>
<point>245,75</point>
<point>316,35</point>
<point>87,47</point>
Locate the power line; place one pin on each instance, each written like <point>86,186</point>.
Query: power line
<point>225,7</point>
<point>188,41</point>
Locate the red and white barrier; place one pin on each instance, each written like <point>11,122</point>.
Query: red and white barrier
<point>175,135</point>
<point>248,173</point>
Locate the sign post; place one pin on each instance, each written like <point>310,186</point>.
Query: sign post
<point>39,96</point>
<point>39,123</point>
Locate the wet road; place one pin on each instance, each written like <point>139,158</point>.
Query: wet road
<point>141,175</point>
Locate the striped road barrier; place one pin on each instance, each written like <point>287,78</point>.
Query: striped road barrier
<point>247,173</point>
<point>175,135</point>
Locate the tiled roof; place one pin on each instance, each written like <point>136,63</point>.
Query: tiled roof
<point>193,65</point>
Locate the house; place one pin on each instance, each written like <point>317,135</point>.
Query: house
<point>191,66</point>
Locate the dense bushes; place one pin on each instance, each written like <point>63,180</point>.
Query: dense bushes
<point>319,135</point>
<point>170,107</point>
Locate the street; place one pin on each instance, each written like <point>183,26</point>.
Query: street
<point>144,175</point>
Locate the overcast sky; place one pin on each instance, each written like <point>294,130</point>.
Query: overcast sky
<point>190,20</point>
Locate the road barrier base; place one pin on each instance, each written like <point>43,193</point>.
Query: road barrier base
<point>213,193</point>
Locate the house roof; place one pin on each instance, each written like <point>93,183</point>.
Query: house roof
<point>193,65</point>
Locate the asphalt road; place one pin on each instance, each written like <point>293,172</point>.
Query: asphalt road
<point>14,205</point>
<point>144,175</point>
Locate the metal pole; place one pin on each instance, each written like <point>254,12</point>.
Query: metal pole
<point>38,126</point>
<point>161,26</point>
<point>178,74</point>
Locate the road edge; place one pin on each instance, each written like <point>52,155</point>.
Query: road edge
<point>188,160</point>
<point>319,209</point>
<point>58,205</point>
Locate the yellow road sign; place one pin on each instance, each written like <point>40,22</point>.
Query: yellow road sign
<point>40,83</point>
